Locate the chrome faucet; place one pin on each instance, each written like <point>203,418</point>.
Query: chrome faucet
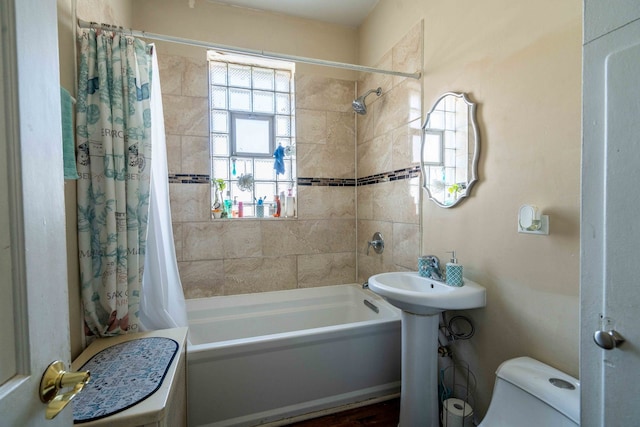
<point>433,268</point>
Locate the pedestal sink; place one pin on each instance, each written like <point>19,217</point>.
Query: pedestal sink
<point>421,301</point>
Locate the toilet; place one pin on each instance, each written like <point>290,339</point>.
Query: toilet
<point>528,393</point>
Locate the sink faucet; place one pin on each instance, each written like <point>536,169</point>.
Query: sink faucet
<point>433,268</point>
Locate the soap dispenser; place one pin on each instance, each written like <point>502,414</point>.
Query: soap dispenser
<point>454,271</point>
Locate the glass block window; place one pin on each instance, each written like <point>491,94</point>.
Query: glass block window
<point>249,97</point>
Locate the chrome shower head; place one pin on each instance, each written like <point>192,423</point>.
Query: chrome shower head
<point>358,104</point>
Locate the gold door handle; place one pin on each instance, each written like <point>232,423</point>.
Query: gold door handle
<point>54,379</point>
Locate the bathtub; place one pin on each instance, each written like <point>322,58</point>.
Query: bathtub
<point>275,357</point>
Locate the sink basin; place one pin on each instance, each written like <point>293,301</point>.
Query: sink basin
<point>421,300</point>
<point>415,294</point>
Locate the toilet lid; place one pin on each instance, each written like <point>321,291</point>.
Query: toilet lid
<point>123,375</point>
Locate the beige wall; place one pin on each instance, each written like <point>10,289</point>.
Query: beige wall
<point>248,29</point>
<point>66,42</point>
<point>389,144</point>
<point>114,12</point>
<point>521,62</point>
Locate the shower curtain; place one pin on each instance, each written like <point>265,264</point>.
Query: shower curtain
<point>114,137</point>
<point>162,302</point>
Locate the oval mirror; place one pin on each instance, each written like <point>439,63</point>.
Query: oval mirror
<point>450,149</point>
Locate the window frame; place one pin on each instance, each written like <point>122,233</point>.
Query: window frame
<point>269,118</point>
<point>282,128</point>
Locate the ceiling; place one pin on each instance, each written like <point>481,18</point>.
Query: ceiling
<point>343,12</point>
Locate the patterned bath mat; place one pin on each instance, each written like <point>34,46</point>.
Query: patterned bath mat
<point>123,375</point>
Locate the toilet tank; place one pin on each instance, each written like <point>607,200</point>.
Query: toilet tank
<point>528,393</point>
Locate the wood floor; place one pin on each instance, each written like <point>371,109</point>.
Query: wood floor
<point>383,414</point>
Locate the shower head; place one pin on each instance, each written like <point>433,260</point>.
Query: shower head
<point>358,104</point>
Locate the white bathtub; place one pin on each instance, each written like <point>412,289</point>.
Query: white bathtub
<point>262,358</point>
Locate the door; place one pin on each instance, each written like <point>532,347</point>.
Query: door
<point>610,230</point>
<point>33,279</point>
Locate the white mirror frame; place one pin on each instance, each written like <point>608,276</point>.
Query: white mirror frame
<point>473,166</point>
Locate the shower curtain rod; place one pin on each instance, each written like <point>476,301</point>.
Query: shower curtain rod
<point>252,52</point>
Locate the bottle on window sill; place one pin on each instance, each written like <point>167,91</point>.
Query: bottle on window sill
<point>278,206</point>
<point>290,205</point>
<point>227,204</point>
<point>234,208</point>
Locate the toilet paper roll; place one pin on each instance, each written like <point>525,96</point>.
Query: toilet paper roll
<point>456,413</point>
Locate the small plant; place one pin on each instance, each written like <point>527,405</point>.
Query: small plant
<point>219,185</point>
<point>453,190</point>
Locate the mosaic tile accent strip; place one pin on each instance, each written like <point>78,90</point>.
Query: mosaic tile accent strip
<point>327,182</point>
<point>185,178</point>
<point>122,376</point>
<point>396,175</point>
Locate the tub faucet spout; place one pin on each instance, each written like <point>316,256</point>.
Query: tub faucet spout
<point>433,268</point>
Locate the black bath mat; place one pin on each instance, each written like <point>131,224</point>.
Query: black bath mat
<point>123,375</point>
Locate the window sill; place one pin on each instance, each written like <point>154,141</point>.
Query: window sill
<point>266,218</point>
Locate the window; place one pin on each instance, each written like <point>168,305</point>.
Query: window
<point>252,135</point>
<point>252,117</point>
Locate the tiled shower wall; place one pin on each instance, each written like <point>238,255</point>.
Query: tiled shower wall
<point>319,247</point>
<point>234,256</point>
<point>388,146</point>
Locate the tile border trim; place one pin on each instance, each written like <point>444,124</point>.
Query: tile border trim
<point>186,178</point>
<point>326,182</point>
<point>396,175</point>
